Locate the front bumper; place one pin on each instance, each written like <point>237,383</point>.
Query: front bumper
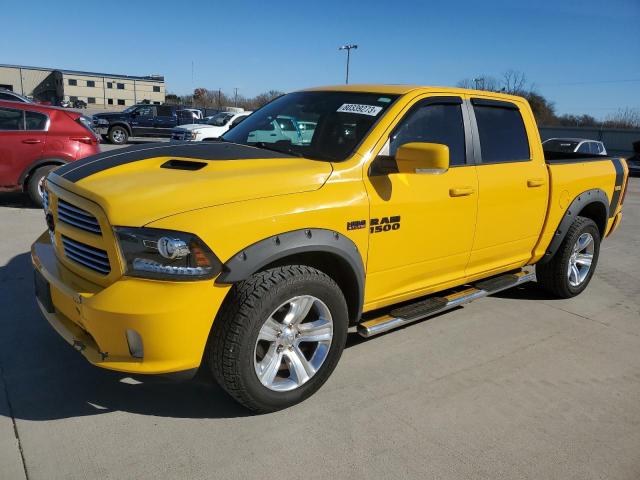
<point>172,319</point>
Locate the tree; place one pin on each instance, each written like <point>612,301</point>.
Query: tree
<point>623,118</point>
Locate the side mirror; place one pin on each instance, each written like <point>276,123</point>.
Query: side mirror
<point>419,157</point>
<point>135,114</point>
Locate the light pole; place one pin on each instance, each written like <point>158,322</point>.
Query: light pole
<point>348,48</point>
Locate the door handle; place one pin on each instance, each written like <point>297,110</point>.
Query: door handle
<point>461,191</point>
<point>535,182</point>
<point>31,141</point>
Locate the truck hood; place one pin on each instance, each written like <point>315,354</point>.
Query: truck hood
<point>140,184</point>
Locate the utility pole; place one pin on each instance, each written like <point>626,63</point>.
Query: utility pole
<point>235,95</point>
<point>348,48</point>
<point>219,99</point>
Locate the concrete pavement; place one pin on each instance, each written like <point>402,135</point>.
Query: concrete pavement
<point>513,386</point>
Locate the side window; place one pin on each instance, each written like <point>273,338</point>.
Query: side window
<point>237,120</point>
<point>11,119</point>
<point>433,123</point>
<point>503,137</point>
<point>35,121</point>
<point>164,111</point>
<point>145,111</point>
<point>584,148</point>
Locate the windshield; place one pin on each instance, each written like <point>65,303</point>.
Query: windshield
<point>335,123</point>
<point>558,145</point>
<point>220,119</point>
<point>130,109</point>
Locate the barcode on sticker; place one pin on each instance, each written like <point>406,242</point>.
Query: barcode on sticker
<point>361,109</point>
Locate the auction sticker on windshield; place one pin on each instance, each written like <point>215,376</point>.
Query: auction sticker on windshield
<point>361,109</point>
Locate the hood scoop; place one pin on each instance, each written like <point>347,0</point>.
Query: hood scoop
<point>183,165</point>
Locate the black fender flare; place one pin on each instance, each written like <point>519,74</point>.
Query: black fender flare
<point>38,163</point>
<point>582,200</point>
<point>309,240</point>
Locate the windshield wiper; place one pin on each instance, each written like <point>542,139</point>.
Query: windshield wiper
<point>269,146</point>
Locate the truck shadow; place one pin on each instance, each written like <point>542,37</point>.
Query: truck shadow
<point>15,200</point>
<point>44,379</point>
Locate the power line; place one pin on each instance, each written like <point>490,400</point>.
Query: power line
<point>594,82</point>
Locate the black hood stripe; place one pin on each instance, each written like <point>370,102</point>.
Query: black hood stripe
<point>197,150</point>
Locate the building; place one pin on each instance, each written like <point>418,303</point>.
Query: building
<point>99,90</point>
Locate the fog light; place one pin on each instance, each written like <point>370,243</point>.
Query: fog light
<point>135,344</point>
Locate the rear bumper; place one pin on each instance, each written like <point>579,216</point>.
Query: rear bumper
<point>171,320</point>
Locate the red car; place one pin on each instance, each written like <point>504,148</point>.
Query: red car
<point>35,139</point>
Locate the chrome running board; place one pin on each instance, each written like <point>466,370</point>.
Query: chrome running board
<point>404,315</point>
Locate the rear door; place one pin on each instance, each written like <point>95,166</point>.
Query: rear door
<point>21,144</point>
<point>513,183</point>
<point>165,120</point>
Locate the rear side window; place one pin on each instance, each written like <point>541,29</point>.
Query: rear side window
<point>503,137</point>
<point>584,148</point>
<point>164,111</point>
<point>11,119</point>
<point>433,123</point>
<point>35,121</point>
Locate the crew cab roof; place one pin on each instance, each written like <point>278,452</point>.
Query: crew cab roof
<point>402,89</point>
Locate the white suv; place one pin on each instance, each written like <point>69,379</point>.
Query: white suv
<point>577,145</point>
<point>214,127</point>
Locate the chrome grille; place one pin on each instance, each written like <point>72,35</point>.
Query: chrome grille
<point>86,255</point>
<point>77,217</point>
<point>45,200</point>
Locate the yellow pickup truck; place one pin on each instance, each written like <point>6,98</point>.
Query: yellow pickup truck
<point>254,255</point>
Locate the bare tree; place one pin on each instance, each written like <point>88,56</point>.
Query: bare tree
<point>514,82</point>
<point>624,118</point>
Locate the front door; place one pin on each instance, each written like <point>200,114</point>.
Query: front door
<point>421,224</point>
<point>142,120</point>
<point>514,188</point>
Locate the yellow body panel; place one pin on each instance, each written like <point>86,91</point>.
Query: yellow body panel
<point>469,222</point>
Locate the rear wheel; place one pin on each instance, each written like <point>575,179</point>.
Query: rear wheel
<point>35,184</point>
<point>118,135</point>
<point>278,337</point>
<point>570,270</point>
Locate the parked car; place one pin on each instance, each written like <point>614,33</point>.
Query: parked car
<point>634,161</point>
<point>253,259</point>
<point>35,139</point>
<point>282,128</point>
<point>214,128</point>
<point>579,145</point>
<point>141,121</point>
<point>9,96</point>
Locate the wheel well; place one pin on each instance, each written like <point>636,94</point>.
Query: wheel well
<point>27,175</point>
<point>334,266</point>
<point>123,125</point>
<point>597,212</point>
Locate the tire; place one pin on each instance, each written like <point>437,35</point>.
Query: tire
<point>557,276</point>
<point>34,184</point>
<point>237,352</point>
<point>118,135</point>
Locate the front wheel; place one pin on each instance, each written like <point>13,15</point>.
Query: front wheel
<point>278,337</point>
<point>570,270</point>
<point>35,185</point>
<point>118,135</point>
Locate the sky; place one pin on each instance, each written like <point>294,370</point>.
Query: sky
<point>582,55</point>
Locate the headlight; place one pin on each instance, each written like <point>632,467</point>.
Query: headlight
<point>166,254</point>
<point>101,121</point>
